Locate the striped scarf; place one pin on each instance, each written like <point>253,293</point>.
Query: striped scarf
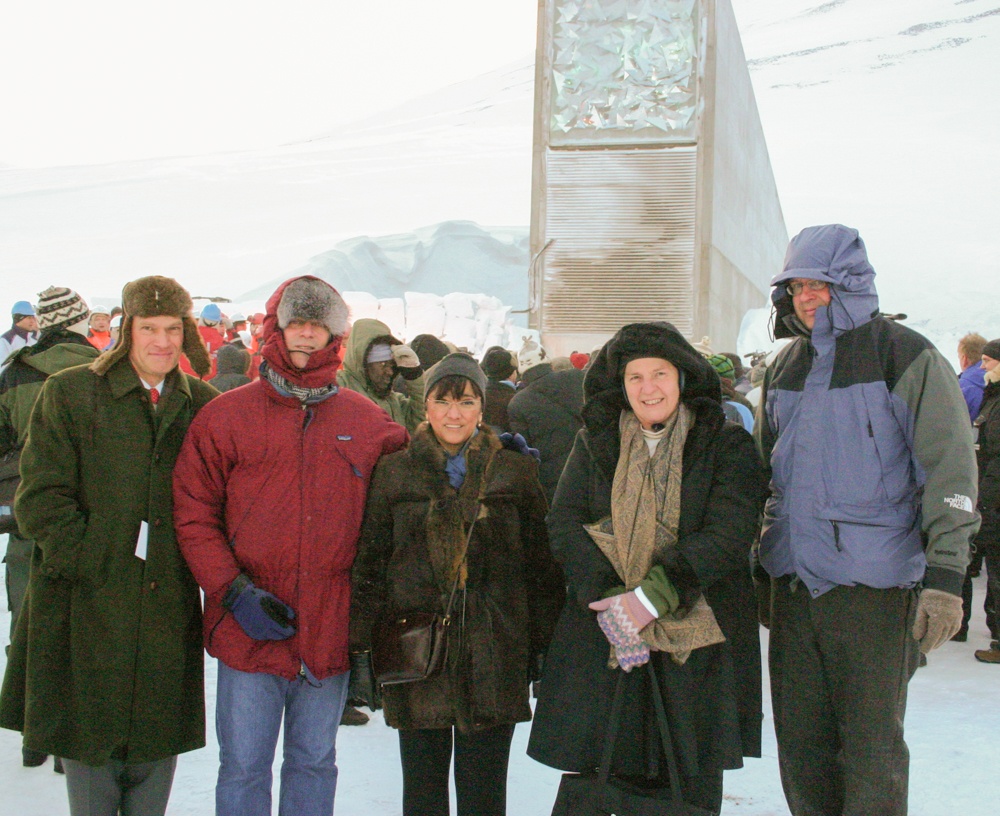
<point>307,396</point>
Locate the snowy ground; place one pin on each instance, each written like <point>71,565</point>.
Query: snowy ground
<point>952,725</point>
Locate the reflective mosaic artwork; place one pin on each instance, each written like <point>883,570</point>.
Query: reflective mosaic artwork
<point>624,71</point>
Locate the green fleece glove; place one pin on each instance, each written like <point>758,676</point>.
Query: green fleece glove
<point>660,591</point>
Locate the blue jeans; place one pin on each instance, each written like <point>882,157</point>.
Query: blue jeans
<point>248,713</point>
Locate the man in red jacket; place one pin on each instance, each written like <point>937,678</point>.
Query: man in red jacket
<point>269,492</point>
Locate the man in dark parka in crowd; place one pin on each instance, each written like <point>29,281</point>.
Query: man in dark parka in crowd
<point>106,667</point>
<point>62,343</point>
<point>547,411</point>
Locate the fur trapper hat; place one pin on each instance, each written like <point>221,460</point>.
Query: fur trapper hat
<point>156,296</point>
<point>313,300</point>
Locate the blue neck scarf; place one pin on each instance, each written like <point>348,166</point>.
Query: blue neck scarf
<point>455,466</point>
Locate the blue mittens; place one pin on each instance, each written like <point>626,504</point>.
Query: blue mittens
<point>261,615</point>
<point>516,442</point>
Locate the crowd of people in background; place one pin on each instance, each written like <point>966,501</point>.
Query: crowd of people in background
<point>616,523</point>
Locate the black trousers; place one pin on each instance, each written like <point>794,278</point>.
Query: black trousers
<point>481,760</point>
<point>840,664</point>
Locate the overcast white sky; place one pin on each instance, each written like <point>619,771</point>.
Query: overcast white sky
<point>108,80</point>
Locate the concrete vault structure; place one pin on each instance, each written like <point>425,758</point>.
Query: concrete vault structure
<point>652,191</point>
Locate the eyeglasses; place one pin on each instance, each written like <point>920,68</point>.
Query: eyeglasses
<point>811,286</point>
<point>466,406</point>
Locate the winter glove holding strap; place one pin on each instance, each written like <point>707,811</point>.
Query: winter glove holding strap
<point>939,616</point>
<point>261,615</point>
<point>406,361</point>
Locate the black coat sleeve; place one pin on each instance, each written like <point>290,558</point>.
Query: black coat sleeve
<point>588,572</point>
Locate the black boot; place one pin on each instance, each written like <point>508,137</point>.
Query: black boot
<point>352,716</point>
<point>31,758</point>
<point>57,765</point>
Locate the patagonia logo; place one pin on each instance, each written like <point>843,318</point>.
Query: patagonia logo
<point>959,502</point>
<point>344,437</point>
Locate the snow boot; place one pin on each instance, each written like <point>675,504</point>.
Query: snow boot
<point>352,716</point>
<point>32,759</point>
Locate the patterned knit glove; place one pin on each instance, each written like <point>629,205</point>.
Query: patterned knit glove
<point>939,616</point>
<point>621,618</point>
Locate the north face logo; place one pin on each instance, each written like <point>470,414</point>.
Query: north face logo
<point>959,502</point>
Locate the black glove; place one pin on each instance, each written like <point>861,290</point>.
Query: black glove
<point>261,615</point>
<point>363,690</point>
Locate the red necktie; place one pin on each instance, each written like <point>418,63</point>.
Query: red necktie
<point>154,395</point>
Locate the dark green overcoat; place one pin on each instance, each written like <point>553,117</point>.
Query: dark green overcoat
<point>107,658</point>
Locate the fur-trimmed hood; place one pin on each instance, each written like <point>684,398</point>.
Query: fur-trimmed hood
<point>604,390</point>
<point>321,370</point>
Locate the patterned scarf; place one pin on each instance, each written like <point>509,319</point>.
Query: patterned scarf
<point>645,513</point>
<point>307,396</point>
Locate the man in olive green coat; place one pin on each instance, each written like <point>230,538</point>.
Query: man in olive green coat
<point>106,666</point>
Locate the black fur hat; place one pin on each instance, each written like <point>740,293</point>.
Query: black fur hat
<point>156,296</point>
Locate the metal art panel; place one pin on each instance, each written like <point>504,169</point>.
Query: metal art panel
<point>622,230</point>
<point>623,72</point>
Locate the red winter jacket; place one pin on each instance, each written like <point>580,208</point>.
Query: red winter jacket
<point>267,488</point>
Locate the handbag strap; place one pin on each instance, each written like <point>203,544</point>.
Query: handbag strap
<point>665,740</point>
<point>465,555</point>
<point>604,770</point>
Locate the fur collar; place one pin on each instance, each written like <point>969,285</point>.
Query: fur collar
<point>451,512</point>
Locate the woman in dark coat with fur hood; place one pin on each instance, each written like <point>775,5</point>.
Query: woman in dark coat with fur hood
<point>421,505</point>
<point>653,521</point>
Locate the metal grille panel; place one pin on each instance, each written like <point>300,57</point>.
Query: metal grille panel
<point>622,224</point>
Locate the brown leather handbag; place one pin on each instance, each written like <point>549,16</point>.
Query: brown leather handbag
<point>412,646</point>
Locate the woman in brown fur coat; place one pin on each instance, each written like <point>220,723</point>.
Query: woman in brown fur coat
<point>421,504</point>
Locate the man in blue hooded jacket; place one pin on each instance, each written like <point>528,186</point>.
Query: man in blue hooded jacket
<point>866,532</point>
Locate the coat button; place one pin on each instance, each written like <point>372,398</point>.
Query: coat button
<point>153,585</point>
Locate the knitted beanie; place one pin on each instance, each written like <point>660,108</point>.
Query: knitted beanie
<point>60,308</point>
<point>723,366</point>
<point>530,355</point>
<point>429,349</point>
<point>991,349</point>
<point>457,363</point>
<point>156,296</point>
<point>498,363</point>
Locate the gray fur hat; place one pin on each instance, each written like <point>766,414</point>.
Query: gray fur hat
<point>458,363</point>
<point>313,300</point>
